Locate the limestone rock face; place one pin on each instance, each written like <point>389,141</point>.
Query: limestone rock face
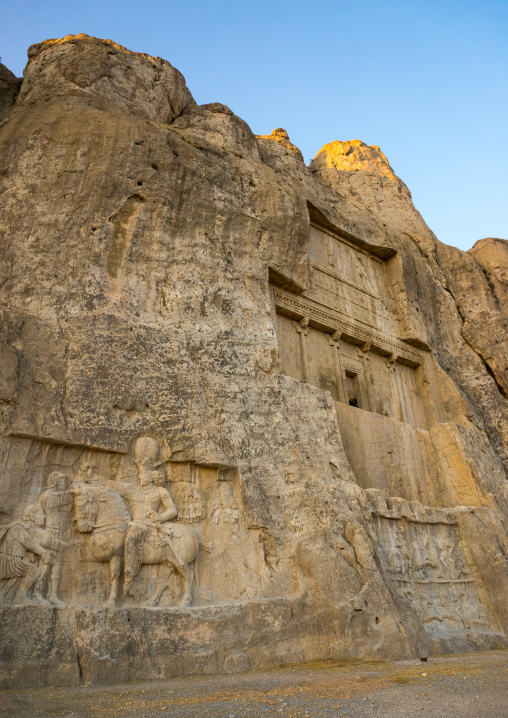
<point>251,412</point>
<point>492,257</point>
<point>138,84</point>
<point>362,174</point>
<point>438,281</point>
<point>216,128</point>
<point>282,138</point>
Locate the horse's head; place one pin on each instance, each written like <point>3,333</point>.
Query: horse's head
<point>86,509</point>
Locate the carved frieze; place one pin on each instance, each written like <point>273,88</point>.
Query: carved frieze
<point>127,530</point>
<point>425,564</point>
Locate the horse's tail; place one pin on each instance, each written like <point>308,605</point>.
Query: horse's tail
<point>204,594</point>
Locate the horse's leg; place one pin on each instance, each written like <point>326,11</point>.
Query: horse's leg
<point>162,584</point>
<point>135,554</point>
<point>151,600</point>
<point>115,566</point>
<point>127,587</point>
<point>187,571</point>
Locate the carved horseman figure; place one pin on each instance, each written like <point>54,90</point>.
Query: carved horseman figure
<point>152,509</point>
<point>101,513</point>
<point>147,539</point>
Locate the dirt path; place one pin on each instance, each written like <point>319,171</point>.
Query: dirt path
<point>462,686</point>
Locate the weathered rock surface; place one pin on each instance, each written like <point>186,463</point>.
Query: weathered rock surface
<point>136,83</point>
<point>261,390</point>
<point>9,88</point>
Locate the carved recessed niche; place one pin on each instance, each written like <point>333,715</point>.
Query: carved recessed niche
<point>425,564</point>
<point>340,334</point>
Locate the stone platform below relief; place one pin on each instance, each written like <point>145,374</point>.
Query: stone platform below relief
<point>72,646</point>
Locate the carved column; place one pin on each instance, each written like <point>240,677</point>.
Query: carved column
<point>334,340</point>
<point>302,329</point>
<point>392,359</point>
<point>364,356</point>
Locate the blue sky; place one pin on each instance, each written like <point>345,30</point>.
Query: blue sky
<point>424,80</point>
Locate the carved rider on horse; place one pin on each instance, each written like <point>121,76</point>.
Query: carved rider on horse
<point>151,506</point>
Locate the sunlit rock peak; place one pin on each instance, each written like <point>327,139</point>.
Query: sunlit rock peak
<point>354,156</point>
<point>281,136</point>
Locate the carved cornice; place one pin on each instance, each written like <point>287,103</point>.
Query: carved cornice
<point>330,320</point>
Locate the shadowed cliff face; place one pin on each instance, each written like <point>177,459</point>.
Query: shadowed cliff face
<point>322,382</point>
<point>9,88</point>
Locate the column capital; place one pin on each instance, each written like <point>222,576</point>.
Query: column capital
<point>302,327</point>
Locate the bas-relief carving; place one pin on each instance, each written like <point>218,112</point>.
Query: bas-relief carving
<point>34,547</point>
<point>346,276</point>
<point>348,300</point>
<point>142,530</point>
<point>28,554</point>
<point>151,538</point>
<point>102,516</point>
<point>128,530</point>
<point>56,503</point>
<point>425,564</point>
<point>142,535</point>
<point>331,320</point>
<point>236,563</point>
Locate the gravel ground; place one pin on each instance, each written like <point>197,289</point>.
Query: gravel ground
<point>471,685</point>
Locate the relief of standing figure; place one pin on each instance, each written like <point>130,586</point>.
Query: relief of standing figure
<point>56,502</point>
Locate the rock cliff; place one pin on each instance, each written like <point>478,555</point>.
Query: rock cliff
<point>9,88</point>
<point>252,412</point>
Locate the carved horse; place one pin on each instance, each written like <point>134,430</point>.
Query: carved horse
<point>102,514</point>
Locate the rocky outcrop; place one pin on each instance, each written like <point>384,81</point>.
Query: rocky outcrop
<point>363,176</point>
<point>9,88</point>
<point>136,83</point>
<point>252,412</point>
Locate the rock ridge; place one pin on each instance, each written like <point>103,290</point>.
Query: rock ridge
<point>9,88</point>
<point>135,82</point>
